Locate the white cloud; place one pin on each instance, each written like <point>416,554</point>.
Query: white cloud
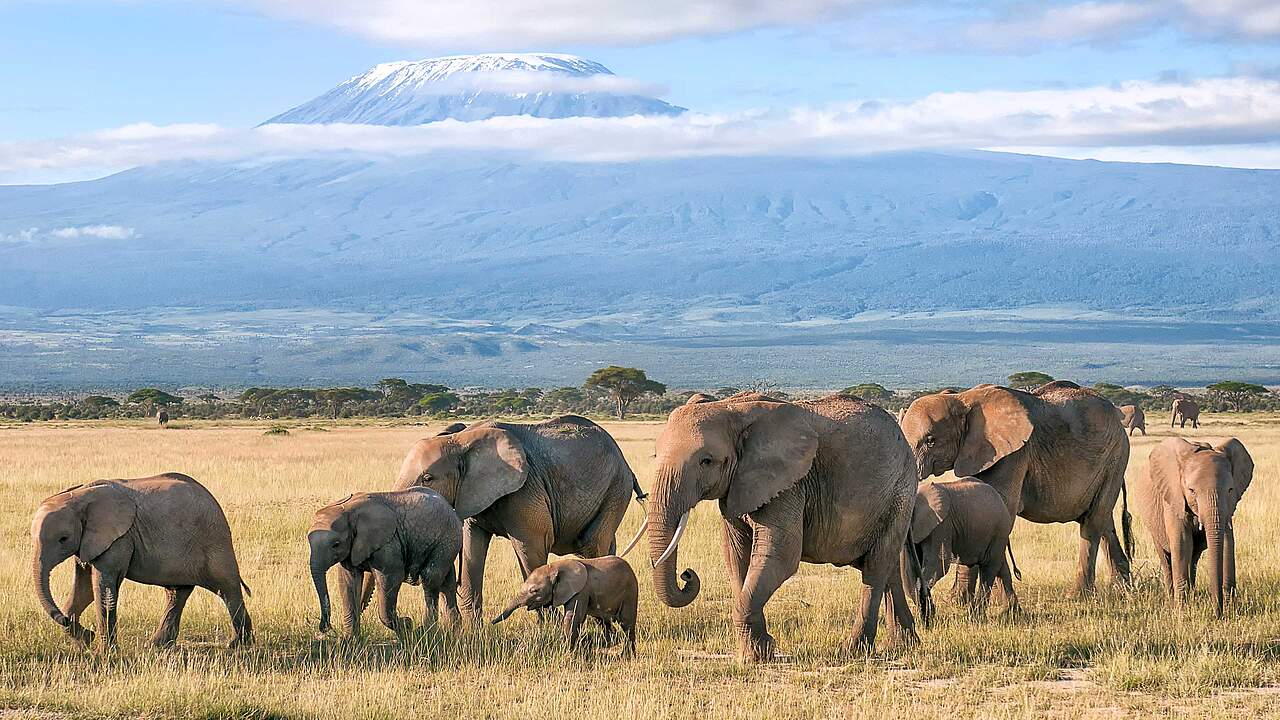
<point>1249,18</point>
<point>1217,111</point>
<point>438,23</point>
<point>104,232</point>
<point>1032,27</point>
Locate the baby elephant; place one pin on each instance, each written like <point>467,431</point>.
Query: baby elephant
<point>165,530</point>
<point>604,588</point>
<point>1187,500</point>
<point>965,521</point>
<point>406,535</point>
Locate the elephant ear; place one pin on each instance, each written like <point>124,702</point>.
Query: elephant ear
<point>776,449</point>
<point>570,579</point>
<point>1164,468</point>
<point>493,466</point>
<point>373,524</point>
<point>1241,463</point>
<point>108,513</point>
<point>452,428</point>
<point>996,425</point>
<point>932,506</point>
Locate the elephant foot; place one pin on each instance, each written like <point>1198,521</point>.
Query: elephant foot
<point>903,637</point>
<point>758,649</point>
<point>859,646</point>
<point>80,634</point>
<point>163,643</point>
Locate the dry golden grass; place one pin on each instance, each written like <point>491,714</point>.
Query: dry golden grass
<point>1114,655</point>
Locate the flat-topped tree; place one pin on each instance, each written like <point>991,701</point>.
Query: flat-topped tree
<point>1236,393</point>
<point>152,397</point>
<point>624,385</point>
<point>869,391</point>
<point>1028,380</point>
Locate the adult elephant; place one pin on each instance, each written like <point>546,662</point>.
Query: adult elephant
<point>1185,409</point>
<point>559,486</point>
<point>825,481</point>
<point>1132,418</point>
<point>1056,454</point>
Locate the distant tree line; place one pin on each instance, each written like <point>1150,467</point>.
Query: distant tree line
<point>608,392</point>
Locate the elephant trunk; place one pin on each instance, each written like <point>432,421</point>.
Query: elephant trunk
<point>318,571</point>
<point>515,604</point>
<point>1213,527</point>
<point>40,570</point>
<point>667,521</point>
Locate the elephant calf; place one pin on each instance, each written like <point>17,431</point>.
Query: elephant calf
<point>604,588</point>
<point>965,521</point>
<point>165,530</point>
<point>1187,500</point>
<point>405,535</point>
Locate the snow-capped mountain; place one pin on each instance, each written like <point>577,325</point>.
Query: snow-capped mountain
<point>478,87</point>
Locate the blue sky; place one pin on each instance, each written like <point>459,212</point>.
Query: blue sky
<point>73,67</point>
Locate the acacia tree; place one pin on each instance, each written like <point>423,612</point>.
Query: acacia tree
<point>624,385</point>
<point>869,391</point>
<point>1028,379</point>
<point>1236,393</point>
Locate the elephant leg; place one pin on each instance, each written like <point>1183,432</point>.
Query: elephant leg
<point>1005,580</point>
<point>607,631</point>
<point>79,599</point>
<point>1087,562</point>
<point>449,594</point>
<point>1229,561</point>
<point>475,551</point>
<point>167,632</point>
<point>1166,571</point>
<point>530,556</point>
<point>775,556</point>
<point>986,579</point>
<point>735,543</point>
<point>898,618</point>
<point>351,584</point>
<point>389,582</point>
<point>627,619</point>
<point>964,585</point>
<point>430,606</point>
<point>1180,551</point>
<point>241,623</point>
<point>575,613</point>
<point>106,586</point>
<point>1199,543</point>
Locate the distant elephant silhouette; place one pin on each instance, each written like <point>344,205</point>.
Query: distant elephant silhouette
<point>162,417</point>
<point>1133,418</point>
<point>1186,410</point>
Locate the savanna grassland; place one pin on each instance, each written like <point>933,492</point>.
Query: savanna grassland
<point>1118,653</point>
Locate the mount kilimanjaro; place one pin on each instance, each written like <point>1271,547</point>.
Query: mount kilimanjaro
<point>497,270</point>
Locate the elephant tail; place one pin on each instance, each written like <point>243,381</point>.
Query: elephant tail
<point>641,495</point>
<point>1014,563</point>
<point>1126,521</point>
<point>245,585</point>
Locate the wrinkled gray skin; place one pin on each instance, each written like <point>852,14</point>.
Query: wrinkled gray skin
<point>1132,418</point>
<point>1184,410</point>
<point>1057,454</point>
<point>963,522</point>
<point>1187,501</point>
<point>603,588</point>
<point>402,536</point>
<point>824,481</point>
<point>165,530</point>
<point>559,486</point>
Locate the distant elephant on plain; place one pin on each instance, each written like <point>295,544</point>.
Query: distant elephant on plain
<point>1185,409</point>
<point>162,417</point>
<point>1187,501</point>
<point>823,481</point>
<point>1132,417</point>
<point>559,486</point>
<point>166,530</point>
<point>408,535</point>
<point>1057,454</point>
<point>964,522</point>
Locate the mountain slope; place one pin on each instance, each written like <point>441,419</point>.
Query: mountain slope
<point>477,87</point>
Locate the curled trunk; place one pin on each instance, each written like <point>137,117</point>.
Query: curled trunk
<point>322,592</point>
<point>40,571</point>
<point>662,532</point>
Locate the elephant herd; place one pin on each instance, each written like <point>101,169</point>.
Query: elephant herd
<point>832,481</point>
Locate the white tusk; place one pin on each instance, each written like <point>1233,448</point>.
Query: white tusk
<point>639,533</point>
<point>675,539</point>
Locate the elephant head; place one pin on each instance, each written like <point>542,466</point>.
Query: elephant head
<point>83,521</point>
<point>348,532</point>
<point>742,451</point>
<point>967,432</point>
<point>548,586</point>
<point>470,467</point>
<point>1213,477</point>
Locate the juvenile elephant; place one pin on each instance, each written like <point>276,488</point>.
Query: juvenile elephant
<point>406,535</point>
<point>1057,454</point>
<point>604,588</point>
<point>965,521</point>
<point>1185,409</point>
<point>559,486</point>
<point>823,481</point>
<point>1132,417</point>
<point>166,530</point>
<point>1187,501</point>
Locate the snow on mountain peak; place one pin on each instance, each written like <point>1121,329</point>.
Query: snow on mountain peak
<point>477,87</point>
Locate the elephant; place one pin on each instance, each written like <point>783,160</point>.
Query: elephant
<point>1132,417</point>
<point>823,481</point>
<point>1056,454</point>
<point>1187,501</point>
<point>166,530</point>
<point>559,486</point>
<point>162,417</point>
<point>965,521</point>
<point>405,535</point>
<point>604,588</point>
<point>1185,409</point>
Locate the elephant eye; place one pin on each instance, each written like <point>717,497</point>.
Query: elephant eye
<point>706,462</point>
<point>929,439</point>
<point>63,539</point>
